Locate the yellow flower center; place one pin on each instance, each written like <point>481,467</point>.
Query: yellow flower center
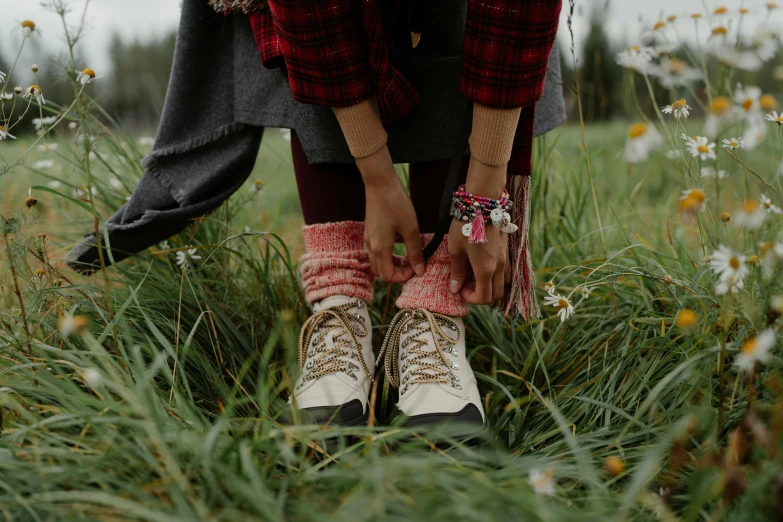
<point>33,88</point>
<point>720,104</point>
<point>39,273</point>
<point>686,318</point>
<point>720,30</point>
<point>703,149</point>
<point>720,10</point>
<point>2,129</point>
<point>636,48</point>
<point>772,5</point>
<point>692,201</point>
<point>29,24</point>
<point>768,102</point>
<point>671,18</point>
<point>779,119</point>
<point>750,346</point>
<point>659,25</point>
<point>638,130</point>
<point>677,66</point>
<point>747,104</point>
<point>696,16</point>
<point>89,72</point>
<point>750,206</point>
<point>734,263</point>
<point>562,303</point>
<point>679,104</point>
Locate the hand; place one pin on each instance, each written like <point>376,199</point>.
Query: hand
<point>487,261</point>
<point>389,219</point>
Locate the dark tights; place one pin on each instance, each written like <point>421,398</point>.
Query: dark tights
<point>332,192</point>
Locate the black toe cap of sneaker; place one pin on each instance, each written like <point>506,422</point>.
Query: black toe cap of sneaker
<point>465,422</point>
<point>349,414</point>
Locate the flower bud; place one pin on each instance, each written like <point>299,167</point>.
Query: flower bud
<point>725,217</point>
<point>34,68</point>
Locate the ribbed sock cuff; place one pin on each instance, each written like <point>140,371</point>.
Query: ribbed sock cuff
<point>492,136</point>
<point>362,127</point>
<point>431,290</point>
<point>336,262</point>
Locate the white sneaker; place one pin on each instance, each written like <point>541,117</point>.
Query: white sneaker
<point>425,358</point>
<point>334,347</point>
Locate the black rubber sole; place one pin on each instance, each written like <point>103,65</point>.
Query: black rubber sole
<point>461,426</point>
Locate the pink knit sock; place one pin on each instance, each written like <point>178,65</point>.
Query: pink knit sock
<point>336,262</point>
<point>431,291</point>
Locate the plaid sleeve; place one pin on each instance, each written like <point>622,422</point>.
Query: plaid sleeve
<point>506,50</point>
<point>322,44</point>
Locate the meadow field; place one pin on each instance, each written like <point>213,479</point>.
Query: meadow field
<point>151,390</point>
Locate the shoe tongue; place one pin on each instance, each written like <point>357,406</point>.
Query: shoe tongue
<point>335,300</point>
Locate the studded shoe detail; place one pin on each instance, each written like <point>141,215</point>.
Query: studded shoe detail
<point>335,379</point>
<point>424,356</point>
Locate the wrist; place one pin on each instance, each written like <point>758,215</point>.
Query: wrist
<point>485,180</point>
<point>377,170</point>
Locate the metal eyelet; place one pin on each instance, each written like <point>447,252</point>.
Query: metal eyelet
<point>456,386</point>
<point>309,366</point>
<point>359,304</point>
<point>454,366</point>
<point>404,389</point>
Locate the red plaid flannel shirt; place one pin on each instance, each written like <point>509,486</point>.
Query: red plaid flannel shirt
<point>336,54</point>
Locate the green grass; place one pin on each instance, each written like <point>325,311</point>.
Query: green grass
<point>193,368</point>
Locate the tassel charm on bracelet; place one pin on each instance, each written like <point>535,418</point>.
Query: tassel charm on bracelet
<point>480,211</point>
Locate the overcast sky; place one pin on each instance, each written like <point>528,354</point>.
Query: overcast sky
<point>147,19</point>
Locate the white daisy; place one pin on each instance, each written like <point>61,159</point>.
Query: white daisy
<point>566,309</point>
<point>86,76</point>
<point>92,377</point>
<point>728,264</point>
<point>719,116</point>
<point>752,216</point>
<point>5,96</point>
<point>774,117</point>
<point>164,245</point>
<point>4,134</point>
<point>680,109</point>
<point>636,58</point>
<point>673,72</point>
<point>756,349</point>
<point>257,186</point>
<point>731,285</point>
<point>43,164</point>
<point>70,324</point>
<point>699,146</point>
<point>766,41</point>
<point>542,482</point>
<point>693,200</point>
<point>39,123</point>
<point>146,141</point>
<point>47,147</point>
<point>29,29</point>
<point>549,286</point>
<point>732,143</point>
<point>755,134</point>
<point>737,58</point>
<point>709,172</point>
<point>183,257</point>
<point>34,91</point>
<point>642,139</point>
<point>54,184</point>
<point>748,100</point>
<point>767,204</point>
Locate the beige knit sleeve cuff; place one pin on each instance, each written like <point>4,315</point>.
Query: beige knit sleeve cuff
<point>493,132</point>
<point>362,127</point>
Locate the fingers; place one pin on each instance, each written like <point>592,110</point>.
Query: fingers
<point>459,271</point>
<point>387,272</point>
<point>415,251</point>
<point>482,292</point>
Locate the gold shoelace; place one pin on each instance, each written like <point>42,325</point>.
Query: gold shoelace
<point>312,342</point>
<point>414,349</point>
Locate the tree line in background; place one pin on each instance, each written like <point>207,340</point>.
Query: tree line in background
<point>134,90</point>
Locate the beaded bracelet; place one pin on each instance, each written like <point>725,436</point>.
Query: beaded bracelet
<point>478,210</point>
